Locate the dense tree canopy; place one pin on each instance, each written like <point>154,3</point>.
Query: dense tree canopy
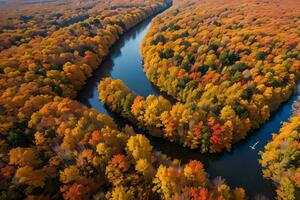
<point>281,158</point>
<point>78,153</point>
<point>181,123</point>
<point>229,64</point>
<point>59,63</point>
<point>52,147</point>
<point>22,21</point>
<point>235,60</point>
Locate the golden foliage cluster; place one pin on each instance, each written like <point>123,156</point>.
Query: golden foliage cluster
<point>236,61</point>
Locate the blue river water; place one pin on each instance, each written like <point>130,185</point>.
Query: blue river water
<point>239,168</point>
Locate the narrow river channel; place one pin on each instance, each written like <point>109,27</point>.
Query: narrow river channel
<point>239,168</point>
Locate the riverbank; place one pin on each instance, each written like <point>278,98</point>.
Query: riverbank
<point>239,167</point>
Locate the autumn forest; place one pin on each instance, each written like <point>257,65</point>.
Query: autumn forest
<point>149,99</point>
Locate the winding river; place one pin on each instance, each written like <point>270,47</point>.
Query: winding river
<point>239,168</point>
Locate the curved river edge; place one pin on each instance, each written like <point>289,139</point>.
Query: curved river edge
<point>239,168</point>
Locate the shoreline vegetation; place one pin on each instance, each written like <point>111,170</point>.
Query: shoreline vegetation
<point>59,64</point>
<point>160,118</point>
<point>78,153</point>
<point>52,147</point>
<point>228,64</point>
<point>227,82</point>
<point>281,156</point>
<point>225,61</point>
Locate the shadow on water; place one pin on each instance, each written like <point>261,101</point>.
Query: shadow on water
<point>240,167</point>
